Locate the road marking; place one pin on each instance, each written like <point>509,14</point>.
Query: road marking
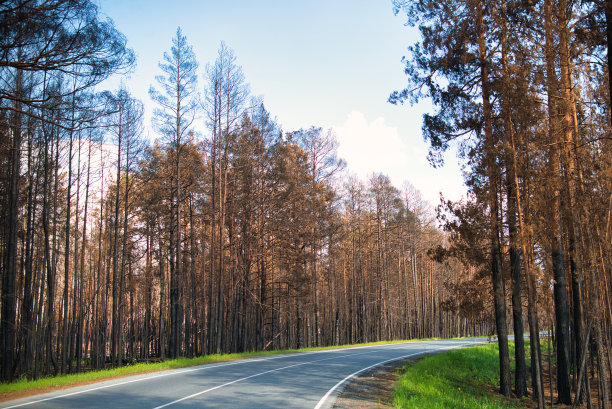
<point>255,375</point>
<point>228,383</point>
<point>329,392</point>
<point>182,371</point>
<point>210,366</point>
<point>399,345</point>
<point>109,386</point>
<point>169,373</point>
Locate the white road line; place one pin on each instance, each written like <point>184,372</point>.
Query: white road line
<point>228,383</point>
<point>198,368</point>
<point>115,384</point>
<point>169,373</point>
<point>249,377</point>
<point>258,374</point>
<point>329,392</point>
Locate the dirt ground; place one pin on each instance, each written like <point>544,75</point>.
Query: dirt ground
<point>372,389</point>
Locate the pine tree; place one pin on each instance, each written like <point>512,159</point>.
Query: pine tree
<point>177,103</point>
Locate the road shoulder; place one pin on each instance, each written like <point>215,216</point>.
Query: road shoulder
<point>372,389</point>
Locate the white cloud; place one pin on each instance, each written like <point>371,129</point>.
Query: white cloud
<point>369,147</point>
<point>375,147</point>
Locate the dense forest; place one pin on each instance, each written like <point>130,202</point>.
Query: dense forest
<point>523,89</point>
<point>226,233</point>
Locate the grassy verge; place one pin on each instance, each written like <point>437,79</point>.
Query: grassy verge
<point>26,387</point>
<point>62,381</point>
<point>463,378</point>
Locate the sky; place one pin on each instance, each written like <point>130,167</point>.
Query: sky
<point>324,63</point>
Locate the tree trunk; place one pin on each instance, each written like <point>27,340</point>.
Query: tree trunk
<point>496,273</point>
<point>27,331</point>
<point>520,385</point>
<point>65,330</point>
<point>80,317</point>
<point>560,287</point>
<point>115,292</point>
<point>9,275</point>
<point>162,302</point>
<point>192,254</point>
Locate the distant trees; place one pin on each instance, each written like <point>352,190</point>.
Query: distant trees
<point>513,83</point>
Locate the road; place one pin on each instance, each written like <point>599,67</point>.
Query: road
<point>304,380</point>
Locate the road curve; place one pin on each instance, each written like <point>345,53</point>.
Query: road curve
<point>304,380</point>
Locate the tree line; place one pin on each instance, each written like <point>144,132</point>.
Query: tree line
<point>224,234</point>
<point>523,89</point>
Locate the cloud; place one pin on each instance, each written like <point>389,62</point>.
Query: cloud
<point>375,147</point>
<point>369,147</point>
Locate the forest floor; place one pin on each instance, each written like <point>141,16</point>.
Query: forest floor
<point>550,379</point>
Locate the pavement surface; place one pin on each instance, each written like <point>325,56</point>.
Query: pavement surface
<point>303,380</point>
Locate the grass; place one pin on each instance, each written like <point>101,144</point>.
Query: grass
<point>62,381</point>
<point>462,378</point>
<point>25,386</point>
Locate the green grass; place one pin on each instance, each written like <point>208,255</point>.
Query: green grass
<point>64,381</point>
<point>456,379</point>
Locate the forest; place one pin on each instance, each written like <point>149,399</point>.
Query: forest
<point>226,233</point>
<point>116,249</point>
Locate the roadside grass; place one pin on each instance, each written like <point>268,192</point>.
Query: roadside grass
<point>462,378</point>
<point>62,381</point>
<point>24,387</point>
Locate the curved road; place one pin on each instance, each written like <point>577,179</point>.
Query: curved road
<point>303,380</point>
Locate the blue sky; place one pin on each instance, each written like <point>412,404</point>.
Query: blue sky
<point>328,63</point>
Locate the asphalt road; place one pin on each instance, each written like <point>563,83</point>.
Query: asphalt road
<point>304,380</point>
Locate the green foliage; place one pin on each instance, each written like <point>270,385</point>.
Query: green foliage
<point>455,379</point>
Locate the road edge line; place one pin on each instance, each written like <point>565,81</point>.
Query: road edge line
<point>354,374</point>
